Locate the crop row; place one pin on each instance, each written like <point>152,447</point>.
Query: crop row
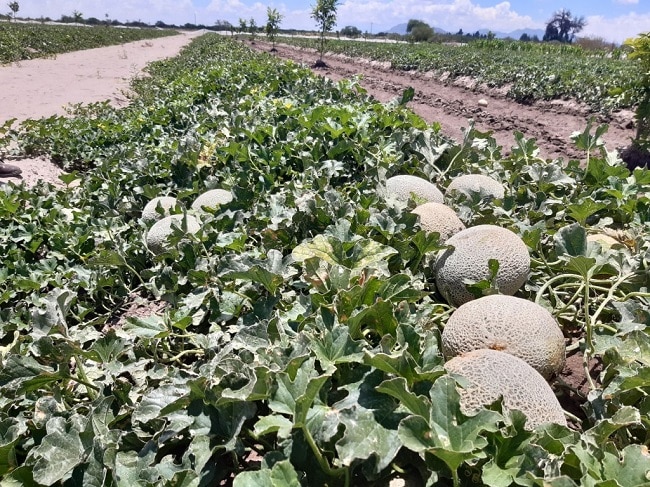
<point>226,357</point>
<point>530,71</point>
<point>21,41</point>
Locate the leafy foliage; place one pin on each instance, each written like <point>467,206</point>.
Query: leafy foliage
<point>19,42</point>
<point>295,339</point>
<point>528,71</point>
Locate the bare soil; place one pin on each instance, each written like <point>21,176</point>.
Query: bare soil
<point>44,87</point>
<point>453,102</point>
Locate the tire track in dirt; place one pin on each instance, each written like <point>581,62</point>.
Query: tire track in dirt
<point>452,104</point>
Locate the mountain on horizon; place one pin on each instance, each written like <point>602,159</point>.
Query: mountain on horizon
<point>515,34</point>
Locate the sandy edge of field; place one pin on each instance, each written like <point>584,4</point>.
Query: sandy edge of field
<point>44,87</point>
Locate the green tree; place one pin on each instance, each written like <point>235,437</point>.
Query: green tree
<point>419,31</point>
<point>252,28</point>
<point>638,153</point>
<point>77,17</point>
<point>324,13</point>
<point>350,31</point>
<point>563,26</point>
<point>243,25</point>
<point>413,23</point>
<point>14,7</point>
<point>273,19</point>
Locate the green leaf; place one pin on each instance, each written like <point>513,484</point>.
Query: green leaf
<point>152,404</point>
<point>336,346</point>
<point>364,437</point>
<point>269,280</point>
<point>107,258</point>
<point>148,327</point>
<point>631,469</point>
<point>58,454</point>
<point>379,317</point>
<point>407,95</point>
<point>282,474</point>
<point>571,240</point>
<point>10,432</point>
<point>448,434</point>
<point>295,397</point>
<point>583,210</point>
<point>363,253</point>
<point>272,424</point>
<point>626,416</point>
<point>585,266</point>
<point>398,388</point>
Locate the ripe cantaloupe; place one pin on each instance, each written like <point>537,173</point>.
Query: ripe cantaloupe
<point>212,198</point>
<point>158,233</point>
<point>469,258</point>
<point>506,323</point>
<point>436,217</point>
<point>166,204</point>
<point>403,186</point>
<point>470,184</point>
<point>492,375</point>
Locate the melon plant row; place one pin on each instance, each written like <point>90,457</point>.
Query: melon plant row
<point>294,336</point>
<point>19,42</point>
<point>528,72</point>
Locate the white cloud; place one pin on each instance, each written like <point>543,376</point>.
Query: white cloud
<point>627,2</point>
<point>170,11</point>
<point>617,29</point>
<point>451,16</point>
<point>377,15</point>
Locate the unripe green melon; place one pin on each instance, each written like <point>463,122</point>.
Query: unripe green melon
<point>514,325</point>
<point>158,233</point>
<point>164,204</point>
<point>212,198</point>
<point>492,375</point>
<point>470,184</point>
<point>468,260</point>
<point>436,217</point>
<point>402,187</point>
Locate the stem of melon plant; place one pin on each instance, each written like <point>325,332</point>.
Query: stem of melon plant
<point>83,379</point>
<point>322,461</point>
<point>589,336</point>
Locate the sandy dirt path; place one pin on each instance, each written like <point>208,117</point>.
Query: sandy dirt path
<point>44,87</point>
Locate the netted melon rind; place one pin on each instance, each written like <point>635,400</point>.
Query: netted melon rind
<point>510,324</point>
<point>166,203</point>
<point>212,198</point>
<point>436,217</point>
<point>158,233</point>
<point>468,261</point>
<point>470,184</point>
<point>492,375</point>
<point>402,187</point>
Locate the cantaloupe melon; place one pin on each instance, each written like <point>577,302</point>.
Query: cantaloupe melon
<point>471,184</point>
<point>436,217</point>
<point>158,233</point>
<point>405,186</point>
<point>468,261</point>
<point>492,375</point>
<point>158,208</point>
<point>212,198</point>
<point>510,324</point>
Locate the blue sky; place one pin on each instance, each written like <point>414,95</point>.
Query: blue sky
<point>614,20</point>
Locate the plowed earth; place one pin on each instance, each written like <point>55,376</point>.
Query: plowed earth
<point>453,102</point>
